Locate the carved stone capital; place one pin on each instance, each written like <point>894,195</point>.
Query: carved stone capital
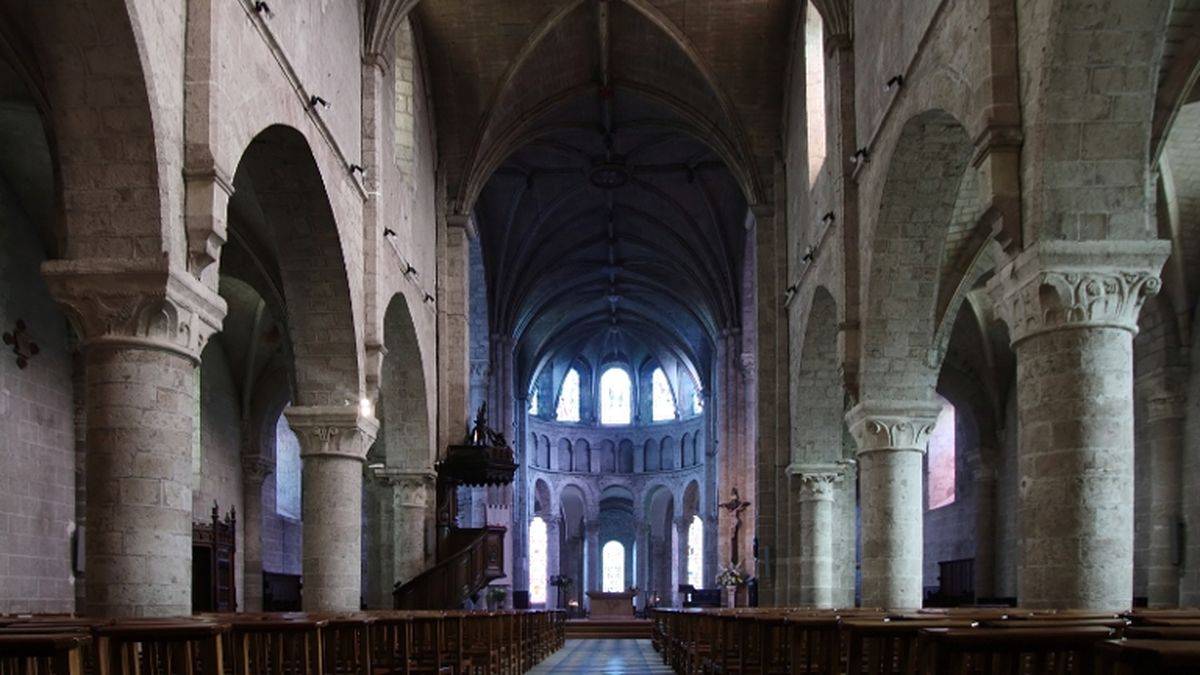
<point>815,482</point>
<point>409,488</point>
<point>1053,285</point>
<point>256,468</point>
<point>136,304</point>
<point>892,425</point>
<point>332,431</point>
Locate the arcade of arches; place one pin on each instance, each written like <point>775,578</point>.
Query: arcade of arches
<point>914,281</point>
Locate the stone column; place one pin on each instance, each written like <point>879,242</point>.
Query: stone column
<point>333,445</point>
<point>404,505</point>
<point>892,437</point>
<point>255,470</point>
<point>591,545</point>
<point>553,546</point>
<point>814,563</point>
<point>142,331</point>
<point>1165,419</point>
<point>1071,309</point>
<point>678,558</point>
<point>985,530</point>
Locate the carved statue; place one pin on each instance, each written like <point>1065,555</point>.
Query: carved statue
<point>483,435</point>
<point>735,506</point>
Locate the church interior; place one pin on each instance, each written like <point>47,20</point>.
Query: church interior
<point>576,336</point>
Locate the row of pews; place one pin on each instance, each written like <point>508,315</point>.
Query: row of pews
<point>960,641</point>
<point>366,643</point>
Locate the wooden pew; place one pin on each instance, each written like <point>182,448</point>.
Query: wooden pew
<point>1161,657</point>
<point>1065,650</point>
<point>887,646</point>
<point>42,654</point>
<point>277,646</point>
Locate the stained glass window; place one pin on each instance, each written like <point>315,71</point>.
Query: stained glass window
<point>568,398</point>
<point>941,458</point>
<point>814,59</point>
<point>695,553</point>
<point>612,559</point>
<point>616,397</point>
<point>663,399</point>
<point>537,560</point>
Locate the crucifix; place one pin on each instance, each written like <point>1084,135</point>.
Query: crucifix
<point>735,506</point>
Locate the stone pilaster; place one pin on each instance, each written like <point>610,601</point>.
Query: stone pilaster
<point>813,577</point>
<point>1165,419</point>
<point>678,539</point>
<point>985,530</point>
<point>1071,310</point>
<point>255,470</point>
<point>142,331</point>
<point>892,437</point>
<point>333,445</point>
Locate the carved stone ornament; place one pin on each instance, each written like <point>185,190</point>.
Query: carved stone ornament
<point>332,431</point>
<point>136,304</point>
<point>1087,284</point>
<point>816,481</point>
<point>255,468</point>
<point>409,488</point>
<point>892,425</point>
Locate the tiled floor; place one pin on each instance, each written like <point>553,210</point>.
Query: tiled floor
<point>604,656</point>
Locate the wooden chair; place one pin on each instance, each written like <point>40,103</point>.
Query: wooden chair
<point>346,644</point>
<point>42,654</point>
<point>159,647</point>
<point>1065,650</point>
<point>1161,657</point>
<point>887,646</point>
<point>273,646</point>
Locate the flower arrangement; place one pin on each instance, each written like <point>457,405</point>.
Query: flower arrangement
<point>731,576</point>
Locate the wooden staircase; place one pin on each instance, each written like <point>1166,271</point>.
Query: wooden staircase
<point>610,629</point>
<point>476,559</point>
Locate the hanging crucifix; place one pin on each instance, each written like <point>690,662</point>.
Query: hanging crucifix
<point>735,506</point>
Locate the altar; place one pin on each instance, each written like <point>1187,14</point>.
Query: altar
<point>610,605</point>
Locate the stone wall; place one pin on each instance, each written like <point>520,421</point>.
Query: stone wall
<point>37,436</point>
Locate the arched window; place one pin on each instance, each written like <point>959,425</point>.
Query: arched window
<point>941,458</point>
<point>287,470</point>
<point>616,397</point>
<point>568,398</point>
<point>612,559</point>
<point>695,553</point>
<point>814,89</point>
<point>663,399</point>
<point>533,401</point>
<point>537,560</point>
<point>697,403</point>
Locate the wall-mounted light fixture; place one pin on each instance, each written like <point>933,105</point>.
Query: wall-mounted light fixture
<point>409,270</point>
<point>357,168</point>
<point>261,7</point>
<point>894,83</point>
<point>827,218</point>
<point>428,298</point>
<point>861,156</point>
<point>389,232</point>
<point>314,101</point>
<point>809,254</point>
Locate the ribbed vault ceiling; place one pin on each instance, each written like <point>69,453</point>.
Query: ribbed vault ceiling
<point>606,162</point>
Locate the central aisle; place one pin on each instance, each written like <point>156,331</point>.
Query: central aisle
<point>604,656</point>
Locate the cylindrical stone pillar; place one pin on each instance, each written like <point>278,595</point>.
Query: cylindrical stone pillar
<point>333,445</point>
<point>891,437</point>
<point>815,561</point>
<point>1072,309</point>
<point>592,555</point>
<point>985,531</point>
<point>553,552</point>
<point>255,470</point>
<point>142,331</point>
<point>678,558</point>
